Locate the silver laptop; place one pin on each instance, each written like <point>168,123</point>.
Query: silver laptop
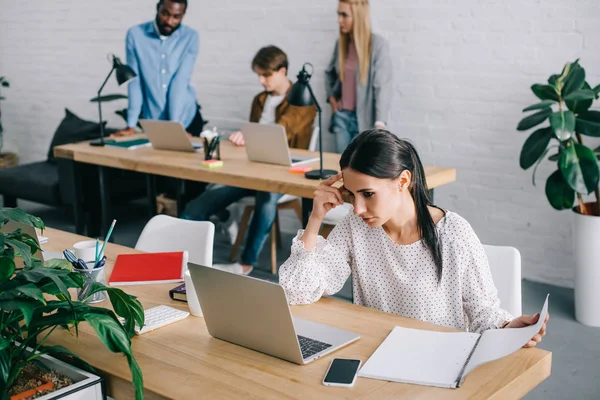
<point>12,226</point>
<point>268,144</point>
<point>168,135</point>
<point>255,314</point>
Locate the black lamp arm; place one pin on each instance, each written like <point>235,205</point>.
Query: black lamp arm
<point>100,105</point>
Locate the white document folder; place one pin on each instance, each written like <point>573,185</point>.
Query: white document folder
<point>443,359</point>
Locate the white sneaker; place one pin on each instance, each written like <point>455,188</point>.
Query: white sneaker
<point>235,268</point>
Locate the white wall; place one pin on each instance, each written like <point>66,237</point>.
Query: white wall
<point>462,74</point>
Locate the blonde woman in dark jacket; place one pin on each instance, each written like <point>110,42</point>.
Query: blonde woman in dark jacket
<point>359,77</point>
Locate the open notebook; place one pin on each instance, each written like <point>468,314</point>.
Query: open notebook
<point>443,359</point>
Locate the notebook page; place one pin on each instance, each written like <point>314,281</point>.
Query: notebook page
<point>420,357</point>
<point>497,343</point>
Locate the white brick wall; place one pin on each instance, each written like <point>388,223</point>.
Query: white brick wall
<point>462,73</point>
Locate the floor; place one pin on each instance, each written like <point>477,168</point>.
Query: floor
<point>575,347</point>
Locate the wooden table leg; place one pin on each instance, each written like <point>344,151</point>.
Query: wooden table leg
<point>71,190</point>
<point>151,192</point>
<point>104,202</point>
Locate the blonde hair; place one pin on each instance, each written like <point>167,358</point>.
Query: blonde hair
<point>361,33</point>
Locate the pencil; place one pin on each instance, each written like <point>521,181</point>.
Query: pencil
<point>112,226</point>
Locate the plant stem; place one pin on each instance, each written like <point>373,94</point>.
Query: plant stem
<point>578,135</point>
<point>582,208</point>
<point>597,193</point>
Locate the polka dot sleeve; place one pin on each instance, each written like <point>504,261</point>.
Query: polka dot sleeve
<point>309,274</point>
<point>479,294</point>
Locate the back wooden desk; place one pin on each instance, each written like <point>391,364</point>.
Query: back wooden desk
<point>182,361</point>
<point>236,171</point>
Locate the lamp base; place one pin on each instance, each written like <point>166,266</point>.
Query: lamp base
<point>320,174</point>
<point>100,142</point>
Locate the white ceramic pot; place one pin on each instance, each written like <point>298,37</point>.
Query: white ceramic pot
<point>586,249</point>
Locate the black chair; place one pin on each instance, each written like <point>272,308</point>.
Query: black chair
<point>51,182</point>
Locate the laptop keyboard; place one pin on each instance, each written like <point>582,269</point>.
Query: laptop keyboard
<point>310,346</point>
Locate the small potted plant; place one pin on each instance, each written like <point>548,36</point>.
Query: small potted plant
<point>6,159</point>
<point>566,102</point>
<point>35,301</point>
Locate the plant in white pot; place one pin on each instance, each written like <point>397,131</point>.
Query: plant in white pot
<point>565,102</point>
<point>35,301</point>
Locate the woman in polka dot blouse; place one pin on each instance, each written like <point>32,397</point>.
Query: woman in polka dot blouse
<point>405,255</point>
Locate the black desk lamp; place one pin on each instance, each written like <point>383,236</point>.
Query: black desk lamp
<point>301,95</point>
<point>124,74</point>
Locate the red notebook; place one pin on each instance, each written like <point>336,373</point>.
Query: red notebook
<point>148,268</point>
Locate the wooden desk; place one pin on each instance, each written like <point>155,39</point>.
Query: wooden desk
<point>182,361</point>
<point>236,171</point>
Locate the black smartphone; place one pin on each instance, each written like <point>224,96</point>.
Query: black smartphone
<point>341,372</point>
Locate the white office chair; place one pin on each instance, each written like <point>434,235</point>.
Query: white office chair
<point>164,233</point>
<point>286,202</point>
<point>505,264</point>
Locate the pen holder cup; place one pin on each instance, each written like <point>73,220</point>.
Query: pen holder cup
<point>90,276</point>
<point>212,149</point>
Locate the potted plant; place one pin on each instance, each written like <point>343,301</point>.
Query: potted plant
<point>565,102</point>
<point>6,159</point>
<point>35,301</point>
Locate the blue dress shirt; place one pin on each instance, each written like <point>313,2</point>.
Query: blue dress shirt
<point>164,67</point>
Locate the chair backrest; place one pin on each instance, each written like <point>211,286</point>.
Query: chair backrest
<point>314,140</point>
<point>505,264</point>
<point>165,233</point>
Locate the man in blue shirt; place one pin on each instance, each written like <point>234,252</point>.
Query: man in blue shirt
<point>163,53</point>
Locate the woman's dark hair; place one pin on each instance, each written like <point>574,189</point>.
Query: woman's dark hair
<point>381,154</point>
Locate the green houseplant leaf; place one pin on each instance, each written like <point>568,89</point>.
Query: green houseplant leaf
<point>534,147</point>
<point>574,81</point>
<point>544,92</point>
<point>581,95</point>
<point>563,124</point>
<point>588,123</point>
<point>18,215</point>
<point>35,300</point>
<point>534,119</point>
<point>539,106</point>
<point>579,167</point>
<point>558,192</point>
<point>580,106</point>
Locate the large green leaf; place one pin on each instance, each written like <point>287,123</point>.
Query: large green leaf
<point>588,123</point>
<point>579,167</point>
<point>112,334</point>
<point>539,106</point>
<point>574,81</point>
<point>581,95</point>
<point>552,80</point>
<point>558,192</point>
<point>7,269</point>
<point>534,119</point>
<point>18,215</point>
<point>21,250</point>
<point>31,290</point>
<point>26,306</point>
<point>534,147</point>
<point>580,106</point>
<point>563,124</point>
<point>544,92</point>
<point>5,367</point>
<point>58,263</point>
<point>125,305</point>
